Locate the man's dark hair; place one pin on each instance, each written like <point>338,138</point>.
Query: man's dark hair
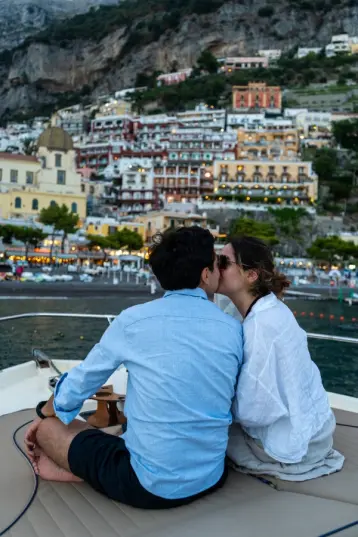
<point>178,257</point>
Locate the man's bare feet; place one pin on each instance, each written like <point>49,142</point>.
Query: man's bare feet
<point>50,471</point>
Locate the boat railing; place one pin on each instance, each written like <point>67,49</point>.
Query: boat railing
<point>109,318</point>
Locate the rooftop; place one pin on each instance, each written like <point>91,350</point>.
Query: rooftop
<point>18,157</point>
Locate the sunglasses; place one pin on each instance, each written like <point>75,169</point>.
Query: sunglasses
<point>224,262</point>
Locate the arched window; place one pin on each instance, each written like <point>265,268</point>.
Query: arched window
<point>74,207</point>
<point>18,203</point>
<point>35,205</point>
<point>52,203</point>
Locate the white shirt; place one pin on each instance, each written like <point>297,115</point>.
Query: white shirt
<point>280,399</point>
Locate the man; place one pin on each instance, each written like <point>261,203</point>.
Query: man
<point>183,357</point>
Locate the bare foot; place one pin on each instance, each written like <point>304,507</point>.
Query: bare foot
<point>48,470</point>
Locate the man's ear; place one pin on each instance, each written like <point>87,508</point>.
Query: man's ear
<point>204,278</point>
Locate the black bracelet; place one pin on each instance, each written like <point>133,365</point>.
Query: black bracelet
<point>39,409</point>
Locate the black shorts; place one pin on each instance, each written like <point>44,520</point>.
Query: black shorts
<point>103,461</point>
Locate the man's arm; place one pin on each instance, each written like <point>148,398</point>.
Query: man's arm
<point>83,381</point>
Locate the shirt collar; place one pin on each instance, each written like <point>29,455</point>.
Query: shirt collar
<point>198,293</point>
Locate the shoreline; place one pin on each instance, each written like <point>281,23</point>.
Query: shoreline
<point>64,290</point>
<point>99,289</point>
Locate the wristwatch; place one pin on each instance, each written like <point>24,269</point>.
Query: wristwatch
<point>39,410</point>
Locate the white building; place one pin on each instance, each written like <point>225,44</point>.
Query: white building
<point>257,122</point>
<point>339,44</point>
<point>303,52</point>
<point>271,54</point>
<point>306,121</point>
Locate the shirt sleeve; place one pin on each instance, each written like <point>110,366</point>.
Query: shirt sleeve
<point>84,380</point>
<point>258,401</point>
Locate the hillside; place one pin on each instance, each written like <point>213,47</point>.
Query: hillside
<point>104,50</point>
<point>20,19</point>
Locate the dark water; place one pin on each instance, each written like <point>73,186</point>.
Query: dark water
<point>73,338</point>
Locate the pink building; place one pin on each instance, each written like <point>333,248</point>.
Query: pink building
<point>173,78</point>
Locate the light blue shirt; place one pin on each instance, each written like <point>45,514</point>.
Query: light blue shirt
<point>183,356</point>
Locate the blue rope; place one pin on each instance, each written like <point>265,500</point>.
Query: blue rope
<point>338,530</point>
<point>29,503</point>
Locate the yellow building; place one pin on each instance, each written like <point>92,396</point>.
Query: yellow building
<point>159,221</point>
<point>267,144</point>
<point>106,226</point>
<point>278,182</point>
<point>29,184</point>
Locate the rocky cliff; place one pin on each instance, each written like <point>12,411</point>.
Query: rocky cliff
<point>49,67</point>
<point>20,19</point>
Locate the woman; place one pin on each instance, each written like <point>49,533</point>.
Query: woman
<point>284,425</point>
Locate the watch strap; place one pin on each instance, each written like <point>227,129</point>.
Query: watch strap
<point>39,410</point>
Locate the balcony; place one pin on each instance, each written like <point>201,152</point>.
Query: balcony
<point>303,178</point>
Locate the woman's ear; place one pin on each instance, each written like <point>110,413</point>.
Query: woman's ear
<point>252,275</point>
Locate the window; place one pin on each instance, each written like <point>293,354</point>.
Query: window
<point>14,174</point>
<point>35,205</point>
<point>74,207</point>
<point>58,160</point>
<point>43,162</point>
<point>0,174</point>
<point>29,178</point>
<point>83,188</point>
<point>53,203</point>
<point>61,177</point>
<point>91,189</point>
<point>18,203</point>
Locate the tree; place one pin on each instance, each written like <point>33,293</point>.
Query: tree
<point>30,237</point>
<point>207,62</point>
<point>7,233</point>
<point>61,219</point>
<point>67,223</point>
<point>261,230</point>
<point>325,164</point>
<point>292,225</point>
<point>330,248</point>
<point>49,216</point>
<point>126,238</point>
<point>29,146</point>
<point>346,133</point>
<point>97,241</point>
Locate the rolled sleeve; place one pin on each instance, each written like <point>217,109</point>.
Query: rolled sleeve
<point>66,416</point>
<point>88,377</point>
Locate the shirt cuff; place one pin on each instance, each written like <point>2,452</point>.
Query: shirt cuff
<point>66,416</point>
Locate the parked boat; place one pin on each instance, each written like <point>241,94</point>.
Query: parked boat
<point>245,507</point>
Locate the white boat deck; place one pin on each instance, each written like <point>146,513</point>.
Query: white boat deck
<point>244,507</point>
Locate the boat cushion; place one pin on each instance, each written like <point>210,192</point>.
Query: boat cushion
<point>343,485</point>
<point>244,507</point>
